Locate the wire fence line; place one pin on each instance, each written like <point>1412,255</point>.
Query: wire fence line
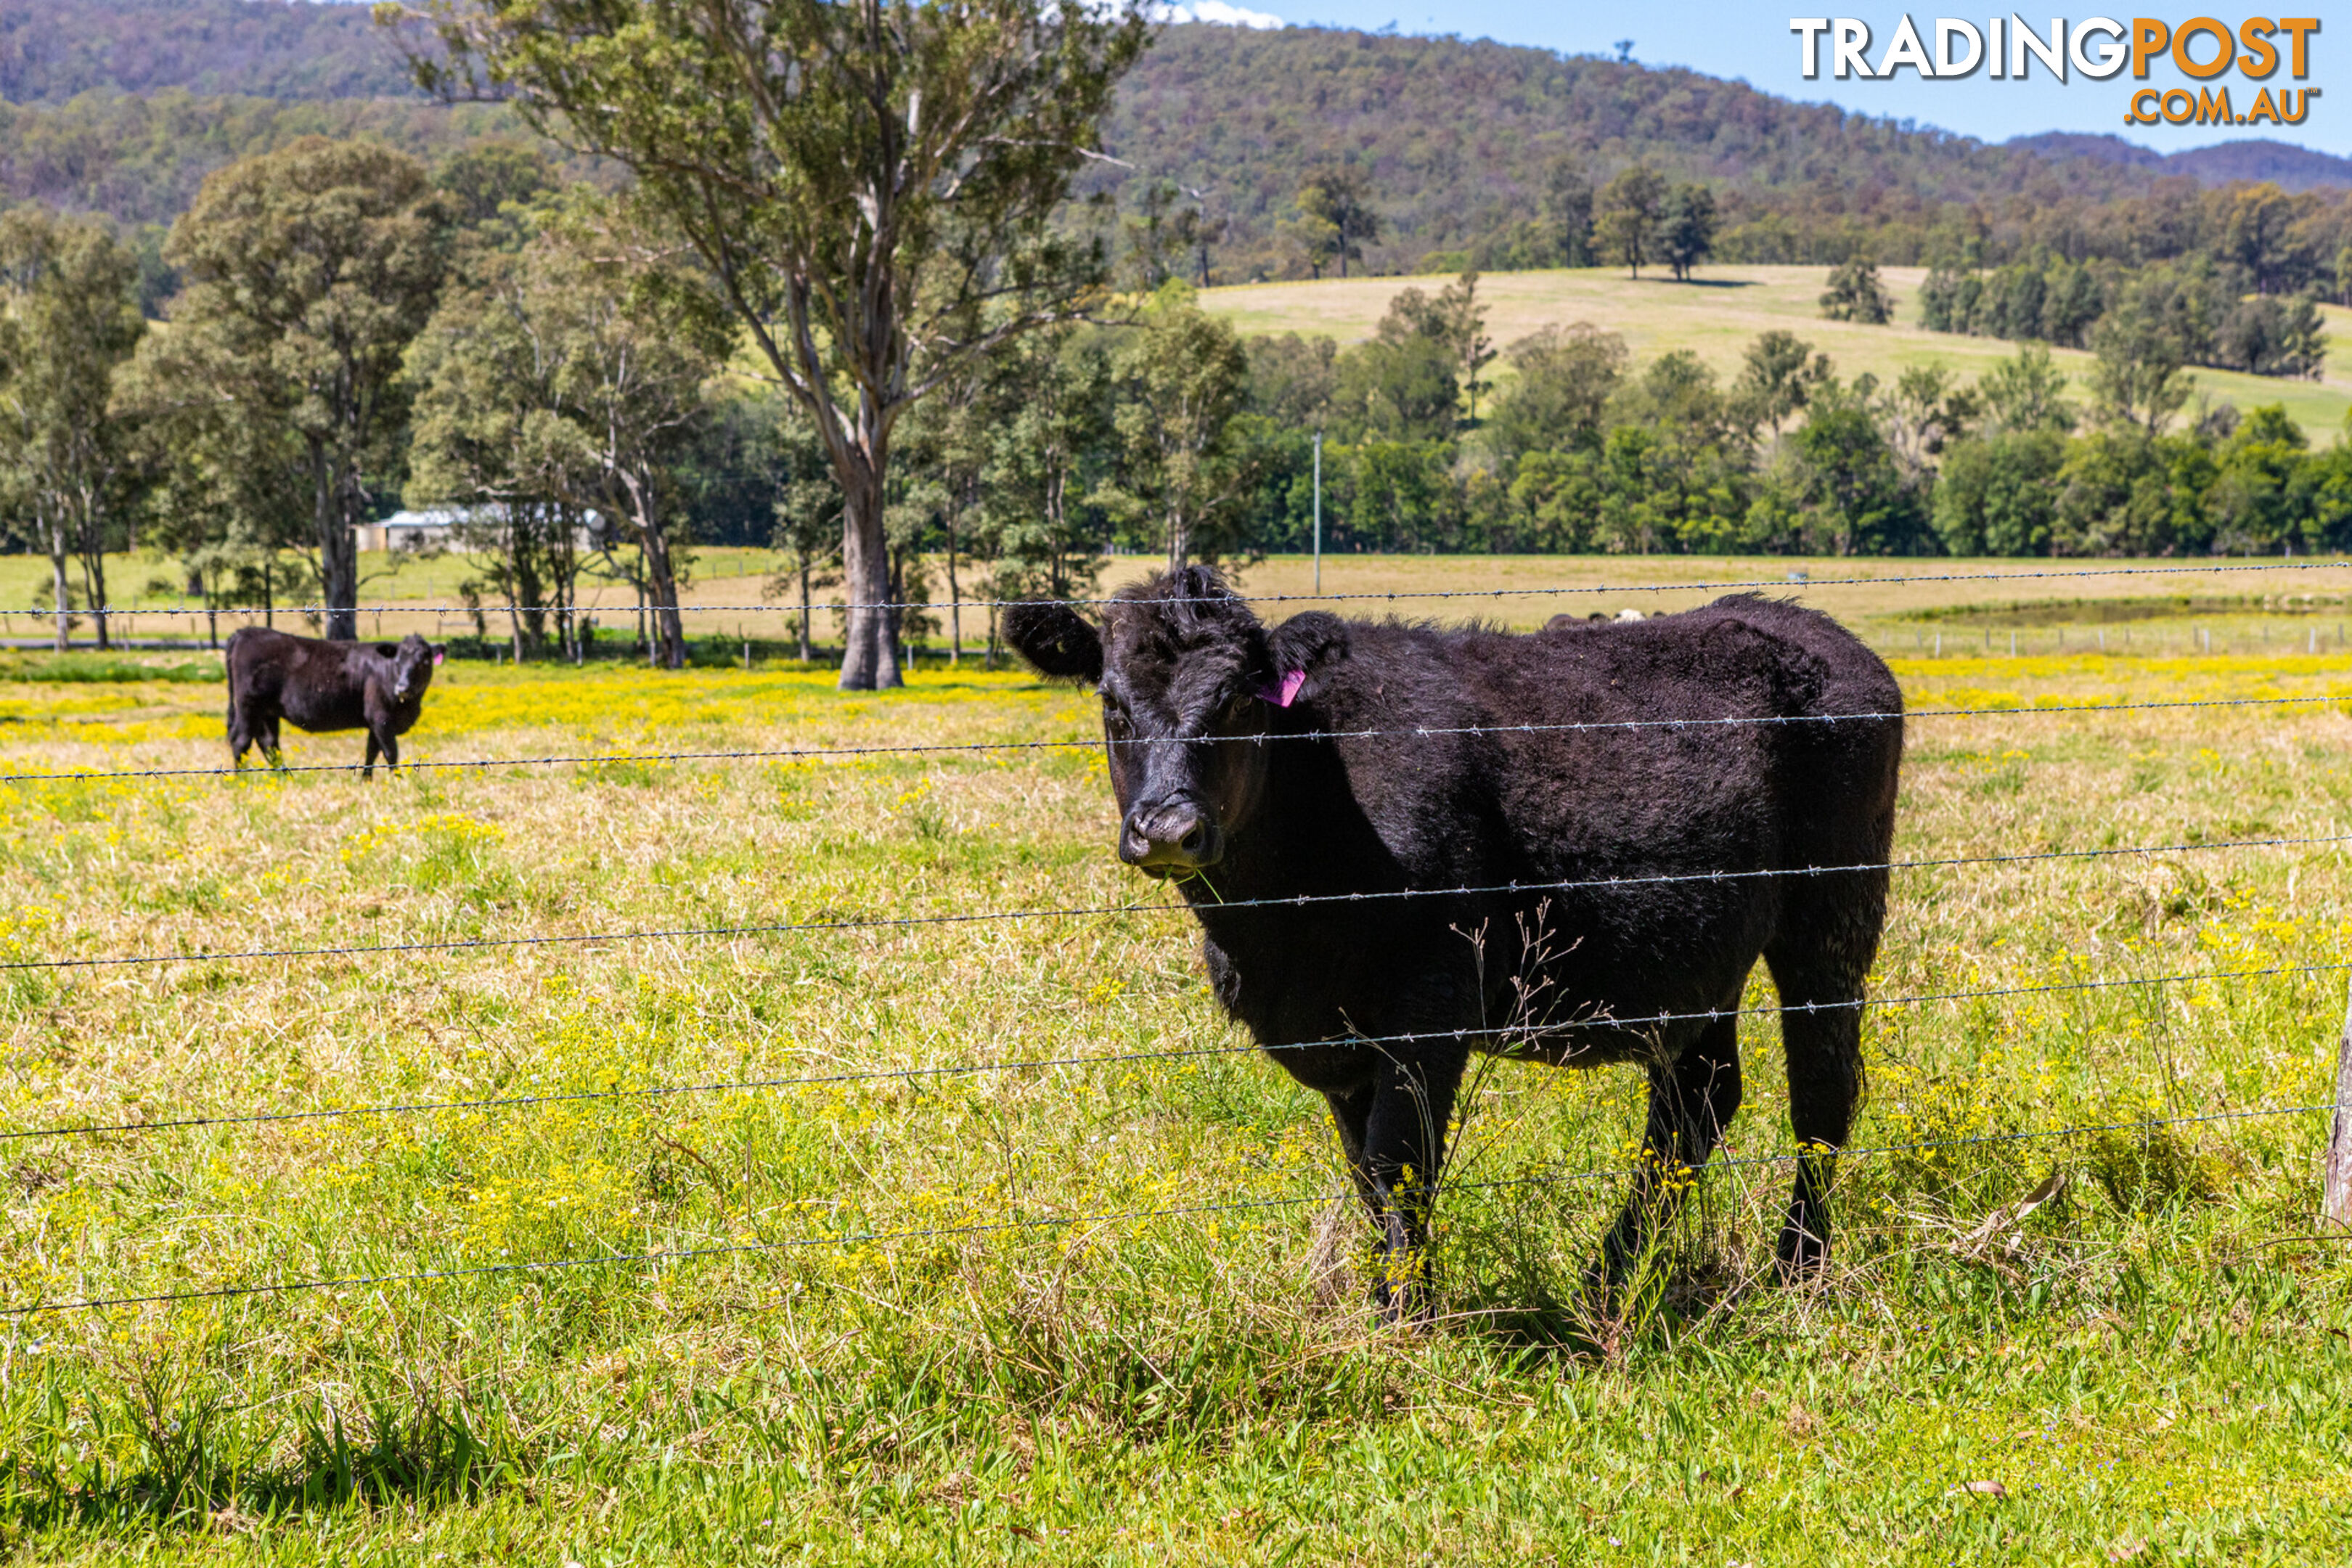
<point>1431,731</point>
<point>1070,1222</point>
<point>940,1070</point>
<point>1509,1033</point>
<point>780,608</point>
<point>1284,901</point>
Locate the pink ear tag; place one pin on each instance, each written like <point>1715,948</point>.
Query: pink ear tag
<point>437,657</point>
<point>1287,693</point>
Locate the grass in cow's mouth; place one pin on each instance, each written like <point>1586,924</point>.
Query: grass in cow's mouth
<point>2142,1363</point>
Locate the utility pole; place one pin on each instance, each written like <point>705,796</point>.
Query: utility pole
<point>1318,511</point>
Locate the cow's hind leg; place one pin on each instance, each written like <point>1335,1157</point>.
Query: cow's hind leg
<point>1692,1101</point>
<point>1819,974</point>
<point>240,737</point>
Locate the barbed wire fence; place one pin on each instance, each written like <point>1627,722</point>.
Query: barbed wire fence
<point>803,754</point>
<point>1798,578</point>
<point>2340,1141</point>
<point>564,616</point>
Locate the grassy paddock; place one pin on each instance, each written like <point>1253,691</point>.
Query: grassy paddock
<point>2138,1369</point>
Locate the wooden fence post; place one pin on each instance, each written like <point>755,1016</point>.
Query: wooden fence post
<point>2335,1200</point>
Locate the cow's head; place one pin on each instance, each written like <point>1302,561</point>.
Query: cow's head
<point>412,666</point>
<point>1191,684</point>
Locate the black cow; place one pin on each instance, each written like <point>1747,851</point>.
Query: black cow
<point>318,686</point>
<point>1440,795</point>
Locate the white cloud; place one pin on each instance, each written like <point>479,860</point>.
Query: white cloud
<point>1220,13</point>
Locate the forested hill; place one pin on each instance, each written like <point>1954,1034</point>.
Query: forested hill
<point>122,106</point>
<point>2257,159</point>
<point>1458,141</point>
<point>51,50</point>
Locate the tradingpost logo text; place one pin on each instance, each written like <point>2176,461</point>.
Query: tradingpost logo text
<point>2248,72</point>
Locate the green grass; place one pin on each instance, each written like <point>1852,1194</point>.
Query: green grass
<point>1721,314</point>
<point>85,669</point>
<point>2147,1368</point>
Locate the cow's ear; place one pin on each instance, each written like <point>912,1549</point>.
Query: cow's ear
<point>440,652</point>
<point>1060,642</point>
<point>1303,651</point>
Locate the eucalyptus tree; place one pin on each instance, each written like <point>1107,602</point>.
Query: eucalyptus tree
<point>69,321</point>
<point>563,380</point>
<point>308,269</point>
<point>1181,378</point>
<point>1051,438</point>
<point>871,187</point>
<point>1628,215</point>
<point>233,497</point>
<point>488,437</point>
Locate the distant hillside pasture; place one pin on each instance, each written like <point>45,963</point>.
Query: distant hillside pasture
<point>1717,317</point>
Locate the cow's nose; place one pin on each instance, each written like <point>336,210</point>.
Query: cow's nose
<point>1177,836</point>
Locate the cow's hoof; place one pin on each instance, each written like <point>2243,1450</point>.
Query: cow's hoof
<point>1801,1255</point>
<point>1401,1292</point>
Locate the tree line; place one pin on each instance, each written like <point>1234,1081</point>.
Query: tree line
<point>850,299</point>
<point>849,206</point>
<point>356,331</point>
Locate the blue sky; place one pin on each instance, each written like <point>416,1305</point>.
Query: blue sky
<point>1752,42</point>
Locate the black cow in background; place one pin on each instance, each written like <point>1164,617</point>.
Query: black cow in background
<point>1197,698</point>
<point>319,686</point>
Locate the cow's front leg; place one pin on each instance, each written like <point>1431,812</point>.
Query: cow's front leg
<point>367,769</point>
<point>1407,1106</point>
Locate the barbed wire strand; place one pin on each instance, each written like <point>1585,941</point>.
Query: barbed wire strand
<point>1283,902</point>
<point>782,608</point>
<point>1119,1058</point>
<point>1425,731</point>
<point>1071,1222</point>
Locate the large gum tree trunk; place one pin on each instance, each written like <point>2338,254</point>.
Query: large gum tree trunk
<point>668,650</point>
<point>808,654</point>
<point>93,566</point>
<point>1180,538</point>
<point>868,660</point>
<point>60,586</point>
<point>338,564</point>
<point>661,590</point>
